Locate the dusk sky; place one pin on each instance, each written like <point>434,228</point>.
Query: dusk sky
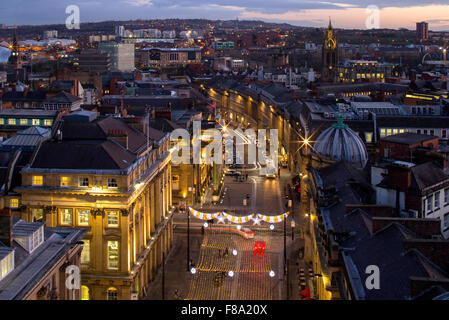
<point>344,13</point>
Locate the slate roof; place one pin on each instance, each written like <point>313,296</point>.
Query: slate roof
<point>63,97</point>
<point>408,138</point>
<point>384,249</point>
<point>24,96</point>
<point>83,154</point>
<point>426,175</point>
<point>27,138</point>
<point>31,268</point>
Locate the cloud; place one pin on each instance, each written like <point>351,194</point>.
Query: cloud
<point>140,3</point>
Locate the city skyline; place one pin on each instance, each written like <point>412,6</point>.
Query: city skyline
<point>298,13</point>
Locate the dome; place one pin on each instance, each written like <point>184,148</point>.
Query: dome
<point>4,54</point>
<point>339,142</point>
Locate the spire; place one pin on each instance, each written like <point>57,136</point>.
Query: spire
<point>330,23</point>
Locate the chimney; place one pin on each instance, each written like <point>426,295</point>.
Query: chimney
<point>119,136</point>
<point>6,227</point>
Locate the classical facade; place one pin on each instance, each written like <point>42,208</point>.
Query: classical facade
<point>106,176</point>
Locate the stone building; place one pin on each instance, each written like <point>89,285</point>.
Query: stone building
<point>107,176</point>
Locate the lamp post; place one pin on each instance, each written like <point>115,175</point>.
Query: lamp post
<point>188,235</point>
<point>163,275</point>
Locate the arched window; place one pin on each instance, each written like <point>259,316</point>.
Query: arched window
<point>85,293</point>
<point>112,293</point>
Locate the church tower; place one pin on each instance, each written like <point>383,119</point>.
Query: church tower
<point>329,60</point>
<point>14,59</point>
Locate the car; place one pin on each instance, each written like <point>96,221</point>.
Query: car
<point>271,176</point>
<point>230,172</point>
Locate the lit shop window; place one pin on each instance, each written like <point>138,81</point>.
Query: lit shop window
<point>66,216</point>
<point>14,203</point>
<point>83,217</point>
<point>112,294</point>
<point>85,254</point>
<point>65,181</point>
<point>113,255</point>
<point>38,180</point>
<point>37,215</point>
<point>112,219</point>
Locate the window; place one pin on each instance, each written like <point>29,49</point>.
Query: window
<point>85,254</point>
<point>14,203</point>
<point>443,133</point>
<point>2,121</point>
<point>38,180</point>
<point>432,132</point>
<point>84,293</point>
<point>36,122</point>
<point>23,122</point>
<point>83,182</point>
<point>37,215</point>
<point>66,216</point>
<point>446,196</point>
<point>387,152</point>
<point>418,131</point>
<point>112,294</point>
<point>112,218</point>
<point>429,203</point>
<point>446,221</point>
<point>113,255</point>
<point>369,137</point>
<point>83,217</point>
<point>395,131</point>
<point>388,132</point>
<point>65,181</point>
<point>437,200</point>
<point>112,183</point>
<point>12,121</point>
<point>47,122</point>
<point>382,133</point>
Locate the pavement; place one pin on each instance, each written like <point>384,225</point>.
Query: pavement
<point>267,196</point>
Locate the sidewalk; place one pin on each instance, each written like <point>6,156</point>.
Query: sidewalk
<point>176,275</point>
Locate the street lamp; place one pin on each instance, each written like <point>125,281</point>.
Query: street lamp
<point>271,226</point>
<point>188,235</point>
<point>234,252</point>
<point>193,270</point>
<point>271,273</point>
<point>231,273</point>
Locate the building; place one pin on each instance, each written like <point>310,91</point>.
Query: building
<point>422,31</point>
<point>50,34</point>
<point>93,61</point>
<point>163,57</point>
<point>119,31</point>
<point>63,100</point>
<point>329,59</point>
<point>121,55</point>
<point>23,99</point>
<point>105,175</point>
<point>34,259</point>
<point>14,120</point>
<point>364,71</point>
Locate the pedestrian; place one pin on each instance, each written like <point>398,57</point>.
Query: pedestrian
<point>176,295</point>
<point>226,252</point>
<point>219,252</point>
<point>202,230</point>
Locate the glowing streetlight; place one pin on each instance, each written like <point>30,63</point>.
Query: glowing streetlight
<point>271,273</point>
<point>205,224</point>
<point>234,252</point>
<point>271,226</point>
<point>239,227</point>
<point>231,273</point>
<point>193,270</point>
